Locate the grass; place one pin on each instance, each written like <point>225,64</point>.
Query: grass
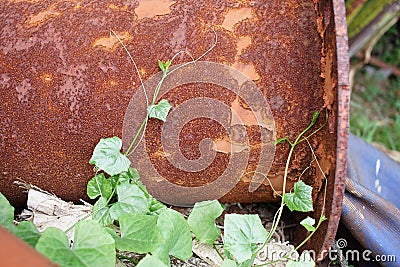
<point>375,105</point>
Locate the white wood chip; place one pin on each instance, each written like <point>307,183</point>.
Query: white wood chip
<point>50,211</point>
<point>207,253</point>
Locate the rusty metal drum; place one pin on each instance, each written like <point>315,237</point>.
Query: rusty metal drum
<point>66,82</point>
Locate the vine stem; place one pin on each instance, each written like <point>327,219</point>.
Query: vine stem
<point>275,225</point>
<point>292,146</point>
<point>311,234</point>
<point>94,212</point>
<point>144,122</point>
<point>322,217</point>
<point>146,119</point>
<point>132,149</point>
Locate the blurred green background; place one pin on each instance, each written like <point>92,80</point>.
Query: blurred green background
<point>374,33</point>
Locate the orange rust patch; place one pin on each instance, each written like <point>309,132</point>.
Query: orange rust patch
<point>47,77</point>
<point>246,116</point>
<point>243,43</point>
<point>234,16</point>
<point>43,16</point>
<point>329,85</point>
<point>226,146</point>
<point>111,42</point>
<point>115,7</point>
<point>248,69</point>
<point>152,8</point>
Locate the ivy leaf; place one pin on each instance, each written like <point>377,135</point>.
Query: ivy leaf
<point>228,263</point>
<point>93,246</point>
<point>28,232</point>
<point>156,207</point>
<point>176,233</point>
<point>314,118</point>
<point>99,186</point>
<point>164,66</point>
<point>6,213</point>
<point>101,212</point>
<point>139,233</point>
<point>131,175</point>
<point>151,261</point>
<point>159,111</point>
<point>134,198</point>
<point>308,224</point>
<point>132,195</point>
<point>107,156</point>
<point>300,199</point>
<point>305,260</point>
<point>202,221</point>
<point>242,234</point>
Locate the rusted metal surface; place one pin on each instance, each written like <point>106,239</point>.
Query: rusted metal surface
<point>65,83</point>
<point>15,252</point>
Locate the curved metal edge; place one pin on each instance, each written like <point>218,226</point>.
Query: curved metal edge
<point>343,63</point>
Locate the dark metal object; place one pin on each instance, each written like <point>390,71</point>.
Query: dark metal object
<point>65,83</point>
<point>371,203</point>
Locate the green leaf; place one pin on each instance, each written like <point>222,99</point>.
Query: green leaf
<point>114,180</point>
<point>248,263</point>
<point>176,233</point>
<point>131,175</point>
<point>139,233</point>
<point>134,198</point>
<point>99,186</point>
<point>28,232</point>
<point>134,174</point>
<point>156,206</point>
<point>305,260</point>
<point>242,234</point>
<point>25,230</point>
<point>93,246</point>
<point>228,263</point>
<point>300,199</point>
<point>131,198</point>
<point>107,156</point>
<point>314,118</point>
<point>101,212</point>
<point>164,66</point>
<point>119,208</point>
<point>202,221</point>
<point>132,195</point>
<point>151,261</point>
<point>161,65</point>
<point>6,213</point>
<point>159,111</point>
<point>308,224</point>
